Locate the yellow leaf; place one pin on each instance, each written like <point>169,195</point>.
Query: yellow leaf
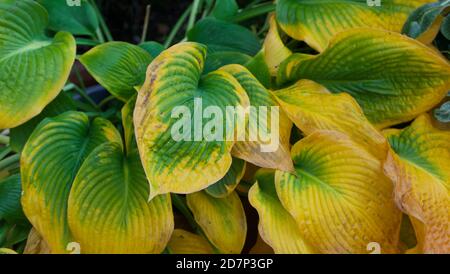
<point>339,197</point>
<point>184,242</point>
<point>419,166</point>
<point>222,220</point>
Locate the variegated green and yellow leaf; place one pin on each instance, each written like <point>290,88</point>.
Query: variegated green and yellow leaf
<point>313,108</point>
<point>339,196</point>
<point>393,78</point>
<point>275,52</point>
<point>317,21</point>
<point>227,184</point>
<point>108,208</point>
<point>177,157</point>
<point>29,56</point>
<point>118,66</point>
<point>184,242</point>
<point>267,122</point>
<point>221,219</point>
<point>276,226</point>
<point>49,163</point>
<point>419,166</point>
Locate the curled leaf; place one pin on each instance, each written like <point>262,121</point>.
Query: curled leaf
<point>418,164</point>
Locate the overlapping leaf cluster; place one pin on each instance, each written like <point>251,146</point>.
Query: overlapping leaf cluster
<point>361,159</point>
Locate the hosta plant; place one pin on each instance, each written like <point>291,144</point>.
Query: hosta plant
<point>327,119</point>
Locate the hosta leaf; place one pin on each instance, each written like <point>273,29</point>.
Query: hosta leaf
<point>445,28</point>
<point>220,35</point>
<point>152,47</point>
<point>227,184</point>
<point>271,150</point>
<point>118,66</point>
<point>224,9</point>
<point>10,192</point>
<point>425,22</point>
<point>419,166</point>
<point>7,251</point>
<point>317,21</point>
<point>184,242</point>
<point>28,56</point>
<point>443,113</point>
<point>313,108</point>
<point>189,163</point>
<point>49,163</point>
<point>79,20</point>
<point>276,225</point>
<point>222,219</point>
<point>259,68</point>
<point>219,59</point>
<point>275,52</point>
<point>392,77</point>
<point>339,196</point>
<point>19,135</point>
<point>108,208</point>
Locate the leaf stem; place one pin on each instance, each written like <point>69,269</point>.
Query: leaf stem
<point>192,17</point>
<point>146,21</point>
<point>177,26</point>
<point>9,161</point>
<point>103,25</point>
<point>4,140</point>
<point>253,12</point>
<point>85,96</point>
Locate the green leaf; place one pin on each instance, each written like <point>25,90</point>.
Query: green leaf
<point>50,160</point>
<point>220,35</point>
<point>219,59</point>
<point>259,68</point>
<point>393,78</point>
<point>78,20</point>
<point>424,23</point>
<point>108,206</point>
<point>118,66</point>
<point>19,135</point>
<point>152,47</point>
<point>443,113</point>
<point>227,184</point>
<point>445,28</point>
<point>225,9</point>
<point>29,56</point>
<point>10,193</point>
